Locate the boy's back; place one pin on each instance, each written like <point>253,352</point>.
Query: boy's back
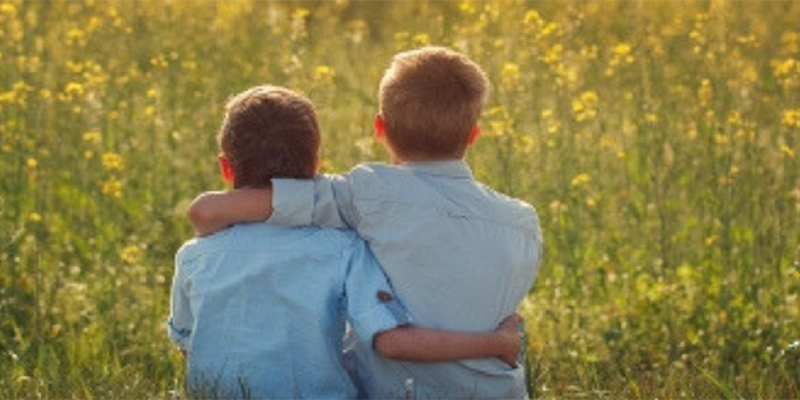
<point>259,310</point>
<point>458,254</point>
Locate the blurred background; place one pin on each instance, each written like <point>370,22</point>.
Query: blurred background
<point>659,142</point>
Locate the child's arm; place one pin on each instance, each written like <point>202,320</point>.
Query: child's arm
<point>214,211</point>
<point>378,319</point>
<point>424,345</point>
<point>181,320</point>
<point>323,201</point>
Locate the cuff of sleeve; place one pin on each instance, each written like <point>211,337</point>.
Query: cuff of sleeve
<point>382,317</point>
<point>181,337</point>
<point>292,202</point>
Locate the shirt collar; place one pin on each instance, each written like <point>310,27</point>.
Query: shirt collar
<point>449,168</point>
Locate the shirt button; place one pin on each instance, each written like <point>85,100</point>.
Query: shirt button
<point>385,296</point>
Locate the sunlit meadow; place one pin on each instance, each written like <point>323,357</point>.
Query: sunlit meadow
<point>660,142</point>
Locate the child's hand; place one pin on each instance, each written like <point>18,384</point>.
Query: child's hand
<point>511,339</point>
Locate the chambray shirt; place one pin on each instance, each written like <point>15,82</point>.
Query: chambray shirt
<point>460,256</point>
<point>261,310</point>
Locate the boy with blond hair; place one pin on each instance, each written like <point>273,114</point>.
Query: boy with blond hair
<point>460,255</point>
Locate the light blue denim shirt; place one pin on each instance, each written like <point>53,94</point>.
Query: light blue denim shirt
<point>261,310</point>
<point>460,256</point>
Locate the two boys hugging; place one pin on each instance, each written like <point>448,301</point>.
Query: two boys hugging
<point>425,265</point>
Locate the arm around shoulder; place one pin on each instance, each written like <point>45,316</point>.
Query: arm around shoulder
<point>213,211</point>
<point>427,345</point>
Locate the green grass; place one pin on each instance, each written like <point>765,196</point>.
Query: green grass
<point>659,141</point>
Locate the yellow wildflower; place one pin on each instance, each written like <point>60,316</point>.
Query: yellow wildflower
<point>510,74</point>
<point>75,35</point>
<point>421,39</point>
<point>75,67</point>
<point>735,118</point>
<point>8,97</point>
<point>113,188</point>
<point>585,106</point>
<point>499,120</point>
<point>786,67</point>
<point>92,137</point>
<point>589,98</point>
<point>466,7</point>
<point>74,88</point>
<point>34,217</point>
<point>577,106</point>
<point>621,49</point>
<point>553,128</point>
<point>697,37</point>
<point>791,118</point>
<point>532,17</point>
<point>31,163</point>
<point>21,87</point>
<point>582,179</point>
<point>791,42</point>
<point>159,61</point>
<point>787,151</point>
<point>557,207</point>
<point>553,54</point>
<point>8,8</point>
<point>131,254</point>
<point>548,29</point>
<point>112,161</point>
<point>301,13</point>
<point>189,65</point>
<point>324,73</point>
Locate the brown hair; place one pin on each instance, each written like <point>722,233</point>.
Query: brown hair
<point>269,132</point>
<point>430,99</point>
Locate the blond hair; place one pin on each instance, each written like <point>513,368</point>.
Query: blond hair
<point>430,99</point>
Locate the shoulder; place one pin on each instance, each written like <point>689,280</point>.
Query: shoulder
<point>372,179</point>
<point>513,209</point>
<point>259,237</point>
<point>372,172</point>
<point>196,247</point>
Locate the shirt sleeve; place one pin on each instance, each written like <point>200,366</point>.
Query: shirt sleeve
<point>327,201</point>
<point>181,319</point>
<point>372,306</point>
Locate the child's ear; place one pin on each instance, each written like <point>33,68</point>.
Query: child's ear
<point>225,169</point>
<point>473,135</point>
<point>380,128</point>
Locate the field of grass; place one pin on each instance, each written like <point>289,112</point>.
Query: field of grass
<point>660,142</point>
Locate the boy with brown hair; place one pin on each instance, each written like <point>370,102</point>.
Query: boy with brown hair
<point>260,309</point>
<point>460,255</point>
